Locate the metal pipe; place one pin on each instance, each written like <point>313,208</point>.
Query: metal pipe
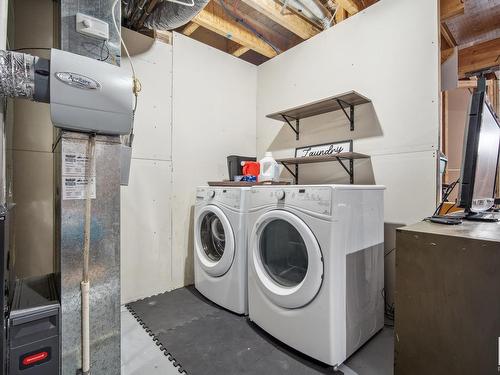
<point>17,74</point>
<point>312,9</point>
<point>165,14</point>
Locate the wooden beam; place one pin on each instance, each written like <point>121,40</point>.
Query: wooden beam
<point>472,83</point>
<point>448,36</point>
<point>341,14</point>
<point>190,28</point>
<point>481,56</point>
<point>451,8</point>
<point>212,17</point>
<point>446,54</point>
<point>351,6</point>
<point>238,50</point>
<point>288,20</point>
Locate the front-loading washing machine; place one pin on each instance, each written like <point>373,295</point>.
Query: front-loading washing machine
<point>220,246</point>
<point>316,266</point>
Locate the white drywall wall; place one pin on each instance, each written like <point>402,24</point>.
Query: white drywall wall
<point>183,136</point>
<point>449,72</point>
<point>31,148</point>
<point>146,250</point>
<point>388,53</point>
<point>214,101</point>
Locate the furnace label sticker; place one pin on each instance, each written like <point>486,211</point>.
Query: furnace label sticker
<point>74,170</point>
<point>76,188</point>
<point>75,160</point>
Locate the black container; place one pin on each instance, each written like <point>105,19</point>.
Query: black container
<point>234,165</point>
<point>34,328</point>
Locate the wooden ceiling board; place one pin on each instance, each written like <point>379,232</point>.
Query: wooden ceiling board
<point>284,32</point>
<point>480,22</point>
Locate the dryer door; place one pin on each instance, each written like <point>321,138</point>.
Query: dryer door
<point>286,259</point>
<point>214,241</point>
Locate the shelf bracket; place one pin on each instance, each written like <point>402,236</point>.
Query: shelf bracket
<point>350,170</point>
<point>294,174</point>
<point>343,105</point>
<point>294,128</point>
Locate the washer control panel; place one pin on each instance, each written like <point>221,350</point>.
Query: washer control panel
<point>314,198</point>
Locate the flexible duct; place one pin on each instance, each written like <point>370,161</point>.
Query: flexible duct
<point>167,15</point>
<point>312,9</point>
<point>17,74</point>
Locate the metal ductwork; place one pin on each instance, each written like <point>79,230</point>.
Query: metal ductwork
<point>24,76</point>
<point>311,9</point>
<point>17,73</point>
<point>161,14</point>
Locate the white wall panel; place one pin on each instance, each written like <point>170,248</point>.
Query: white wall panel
<point>146,249</point>
<point>33,213</point>
<point>31,139</point>
<point>388,53</point>
<point>153,119</point>
<point>214,101</point>
<point>145,227</point>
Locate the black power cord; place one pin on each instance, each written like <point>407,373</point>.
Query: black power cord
<point>443,219</point>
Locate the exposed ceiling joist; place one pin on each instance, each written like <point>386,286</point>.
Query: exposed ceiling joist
<point>451,8</point>
<point>214,19</point>
<point>481,56</point>
<point>190,28</point>
<point>446,54</point>
<point>448,36</point>
<point>288,20</point>
<point>351,6</point>
<point>237,50</point>
<point>341,14</point>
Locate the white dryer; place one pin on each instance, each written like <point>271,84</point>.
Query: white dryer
<point>220,246</point>
<point>316,266</point>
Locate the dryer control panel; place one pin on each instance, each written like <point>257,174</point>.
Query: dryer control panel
<point>311,198</point>
<point>224,196</point>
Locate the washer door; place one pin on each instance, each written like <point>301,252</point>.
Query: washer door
<point>286,258</point>
<point>214,241</point>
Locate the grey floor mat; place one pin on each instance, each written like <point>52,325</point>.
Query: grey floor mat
<point>205,339</point>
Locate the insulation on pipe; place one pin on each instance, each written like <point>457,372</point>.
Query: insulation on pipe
<point>17,74</point>
<point>312,9</point>
<point>167,15</point>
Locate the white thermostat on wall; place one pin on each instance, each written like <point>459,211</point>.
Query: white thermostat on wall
<point>92,26</point>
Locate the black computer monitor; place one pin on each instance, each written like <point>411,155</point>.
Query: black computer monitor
<point>480,156</point>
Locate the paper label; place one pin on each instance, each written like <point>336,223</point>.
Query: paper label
<point>75,187</point>
<point>74,166</point>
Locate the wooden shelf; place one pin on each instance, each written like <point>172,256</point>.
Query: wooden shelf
<point>244,183</point>
<point>323,159</point>
<point>344,102</point>
<point>340,157</point>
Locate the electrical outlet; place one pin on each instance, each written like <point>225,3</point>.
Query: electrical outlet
<point>91,26</point>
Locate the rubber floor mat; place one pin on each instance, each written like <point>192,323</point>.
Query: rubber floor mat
<point>204,339</point>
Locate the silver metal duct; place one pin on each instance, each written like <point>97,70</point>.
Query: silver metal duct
<point>17,74</point>
<point>167,15</point>
<point>312,9</point>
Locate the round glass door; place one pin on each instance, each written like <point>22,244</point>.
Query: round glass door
<point>214,240</point>
<point>213,236</point>
<point>283,253</point>
<point>286,259</point>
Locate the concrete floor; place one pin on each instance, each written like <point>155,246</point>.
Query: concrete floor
<point>140,355</point>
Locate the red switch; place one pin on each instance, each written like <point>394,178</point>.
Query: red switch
<point>33,359</point>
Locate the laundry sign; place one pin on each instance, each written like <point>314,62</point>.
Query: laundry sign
<point>325,149</point>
